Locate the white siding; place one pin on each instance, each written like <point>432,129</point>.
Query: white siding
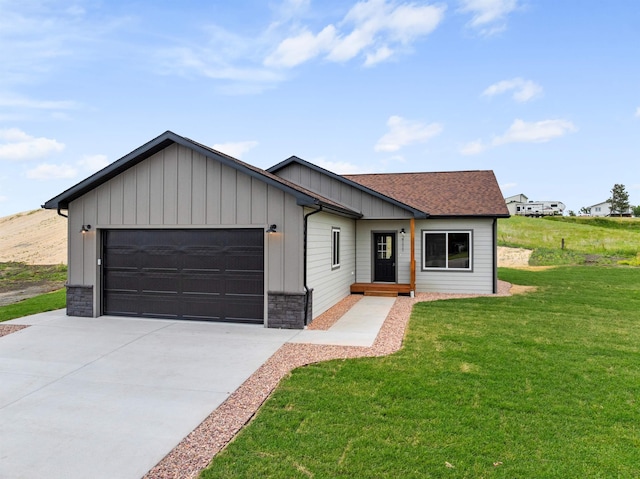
<point>480,279</point>
<point>329,284</point>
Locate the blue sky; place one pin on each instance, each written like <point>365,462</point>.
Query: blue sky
<point>546,93</point>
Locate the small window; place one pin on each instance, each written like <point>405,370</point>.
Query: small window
<point>335,248</point>
<point>447,250</point>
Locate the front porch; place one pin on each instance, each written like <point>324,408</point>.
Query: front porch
<point>380,289</point>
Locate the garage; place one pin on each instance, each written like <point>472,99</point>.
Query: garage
<point>194,274</point>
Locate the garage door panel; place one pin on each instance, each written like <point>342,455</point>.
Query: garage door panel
<point>213,275</point>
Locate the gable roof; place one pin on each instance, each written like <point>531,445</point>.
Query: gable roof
<point>303,196</point>
<point>417,212</point>
<point>441,194</point>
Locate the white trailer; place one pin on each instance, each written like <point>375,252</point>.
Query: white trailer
<point>540,208</point>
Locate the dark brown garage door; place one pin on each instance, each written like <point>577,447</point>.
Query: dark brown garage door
<point>215,275</point>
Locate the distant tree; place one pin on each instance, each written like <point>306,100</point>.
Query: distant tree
<point>585,211</point>
<point>572,213</point>
<point>619,200</point>
<point>636,211</point>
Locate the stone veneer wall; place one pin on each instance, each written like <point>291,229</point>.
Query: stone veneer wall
<point>80,301</point>
<point>286,310</point>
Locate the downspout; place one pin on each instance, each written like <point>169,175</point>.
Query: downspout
<point>495,255</point>
<point>63,215</point>
<point>307,291</point>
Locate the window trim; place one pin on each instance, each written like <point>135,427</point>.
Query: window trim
<point>447,268</point>
<point>335,247</point>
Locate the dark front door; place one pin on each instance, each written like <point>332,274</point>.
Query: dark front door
<point>384,257</point>
<point>215,275</point>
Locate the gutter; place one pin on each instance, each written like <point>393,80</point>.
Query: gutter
<point>307,291</point>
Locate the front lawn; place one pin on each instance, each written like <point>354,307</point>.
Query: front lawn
<point>545,384</point>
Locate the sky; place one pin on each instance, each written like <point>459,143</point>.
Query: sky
<point>545,93</point>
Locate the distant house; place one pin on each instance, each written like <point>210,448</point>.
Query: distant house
<point>604,209</point>
<point>513,201</point>
<point>177,230</point>
<point>519,205</point>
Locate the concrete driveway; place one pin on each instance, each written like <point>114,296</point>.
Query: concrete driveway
<point>110,397</point>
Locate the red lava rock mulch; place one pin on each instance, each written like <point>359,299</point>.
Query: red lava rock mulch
<point>195,451</point>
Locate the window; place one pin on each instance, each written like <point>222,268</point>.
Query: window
<point>446,250</point>
<point>335,248</point>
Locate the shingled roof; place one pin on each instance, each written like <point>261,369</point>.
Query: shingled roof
<point>443,194</point>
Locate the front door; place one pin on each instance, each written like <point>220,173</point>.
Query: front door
<point>384,257</point>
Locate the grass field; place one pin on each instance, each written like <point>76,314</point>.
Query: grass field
<point>15,276</point>
<point>37,304</point>
<point>586,240</point>
<point>545,384</point>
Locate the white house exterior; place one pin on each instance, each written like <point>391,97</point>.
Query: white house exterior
<point>604,209</point>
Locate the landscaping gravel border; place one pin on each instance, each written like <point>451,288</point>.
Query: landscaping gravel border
<point>10,328</point>
<point>197,450</point>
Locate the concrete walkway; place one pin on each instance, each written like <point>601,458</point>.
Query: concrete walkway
<point>110,397</point>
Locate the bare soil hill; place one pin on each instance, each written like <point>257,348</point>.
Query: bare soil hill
<point>34,237</point>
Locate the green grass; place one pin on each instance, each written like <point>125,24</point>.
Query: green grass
<point>545,384</point>
<point>37,304</point>
<point>587,240</point>
<point>15,275</point>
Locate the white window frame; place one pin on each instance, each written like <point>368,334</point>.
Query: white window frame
<point>335,247</point>
<point>446,233</point>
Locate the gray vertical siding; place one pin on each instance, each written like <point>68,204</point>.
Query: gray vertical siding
<point>178,188</point>
<point>330,285</point>
<point>370,206</point>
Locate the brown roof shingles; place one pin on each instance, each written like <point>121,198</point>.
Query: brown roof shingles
<point>451,193</point>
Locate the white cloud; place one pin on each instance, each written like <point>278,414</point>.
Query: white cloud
<point>488,16</point>
<point>523,90</point>
<point>18,101</point>
<point>508,186</point>
<point>340,167</point>
<point>376,26</point>
<point>93,163</point>
<point>404,132</point>
<point>638,112</point>
<point>522,132</point>
<point>473,148</point>
<point>300,48</point>
<point>48,171</point>
<point>20,146</point>
<point>236,149</point>
<point>538,132</point>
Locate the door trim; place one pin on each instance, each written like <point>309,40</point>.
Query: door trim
<point>394,235</point>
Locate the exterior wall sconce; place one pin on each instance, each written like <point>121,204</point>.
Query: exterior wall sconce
<point>85,228</point>
<point>272,229</point>
<point>402,232</point>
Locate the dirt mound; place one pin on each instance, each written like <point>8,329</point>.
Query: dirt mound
<point>34,237</point>
<point>513,257</point>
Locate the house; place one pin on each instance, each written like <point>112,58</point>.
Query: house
<point>178,230</point>
<point>513,201</point>
<point>604,209</point>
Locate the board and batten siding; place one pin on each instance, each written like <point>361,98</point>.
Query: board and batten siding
<point>480,279</point>
<point>329,285</point>
<point>368,205</point>
<point>180,188</point>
